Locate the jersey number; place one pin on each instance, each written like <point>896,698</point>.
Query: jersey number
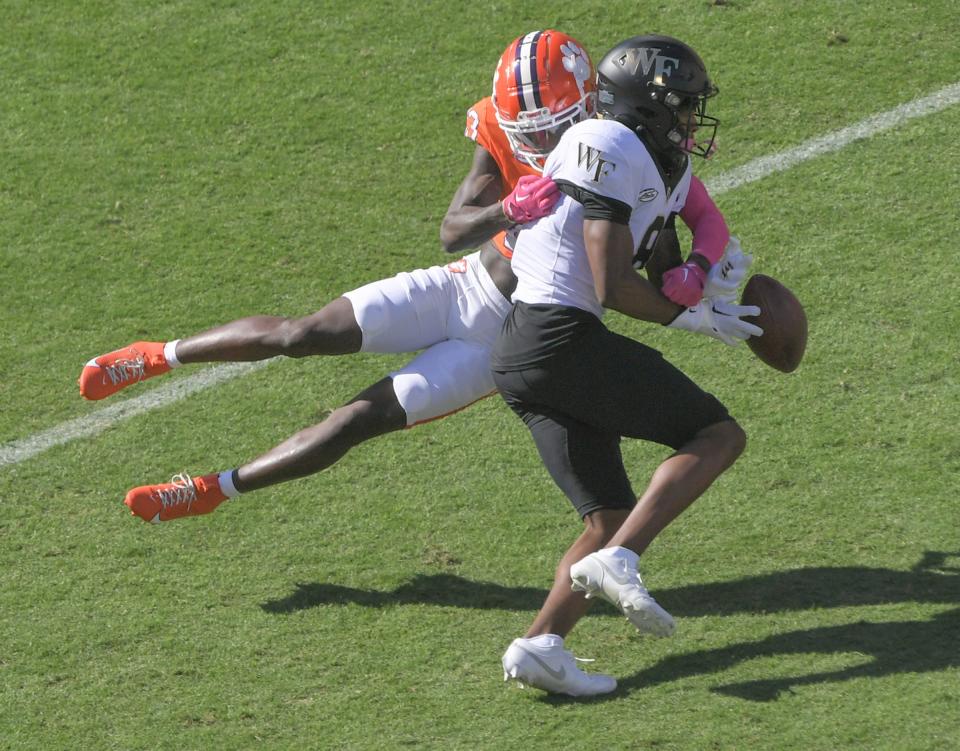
<point>645,248</point>
<point>473,125</point>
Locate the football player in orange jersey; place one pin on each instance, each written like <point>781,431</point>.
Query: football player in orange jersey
<point>544,83</point>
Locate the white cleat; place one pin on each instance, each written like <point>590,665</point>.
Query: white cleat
<point>612,574</point>
<point>542,662</point>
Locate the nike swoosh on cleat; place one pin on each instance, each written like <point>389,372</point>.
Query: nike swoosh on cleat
<point>156,519</point>
<point>557,674</point>
<point>616,576</point>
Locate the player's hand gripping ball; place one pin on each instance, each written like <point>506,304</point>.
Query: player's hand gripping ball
<point>783,320</point>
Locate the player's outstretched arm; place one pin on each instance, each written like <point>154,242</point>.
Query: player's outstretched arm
<point>475,213</point>
<point>685,283</point>
<point>618,286</point>
<point>706,223</point>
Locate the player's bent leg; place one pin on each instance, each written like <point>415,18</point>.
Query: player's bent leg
<point>679,481</point>
<point>565,606</point>
<point>444,378</point>
<point>612,573</point>
<point>730,441</point>
<point>404,313</point>
<point>373,412</point>
<point>538,659</point>
<point>332,330</point>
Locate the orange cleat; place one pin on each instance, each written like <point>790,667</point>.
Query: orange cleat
<point>182,496</point>
<point>107,374</point>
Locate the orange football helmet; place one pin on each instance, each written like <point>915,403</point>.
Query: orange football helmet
<point>544,83</point>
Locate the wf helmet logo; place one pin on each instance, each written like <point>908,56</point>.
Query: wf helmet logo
<point>649,58</point>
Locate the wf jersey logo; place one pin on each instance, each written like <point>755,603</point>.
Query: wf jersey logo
<point>591,160</point>
<point>650,58</point>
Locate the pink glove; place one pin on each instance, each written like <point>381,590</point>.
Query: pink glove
<point>532,198</point>
<point>684,284</point>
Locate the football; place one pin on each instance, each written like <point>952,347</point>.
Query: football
<point>782,319</point>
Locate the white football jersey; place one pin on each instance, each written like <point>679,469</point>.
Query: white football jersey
<point>608,160</point>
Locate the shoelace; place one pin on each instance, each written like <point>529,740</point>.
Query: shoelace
<point>572,656</point>
<point>182,491</point>
<point>126,370</point>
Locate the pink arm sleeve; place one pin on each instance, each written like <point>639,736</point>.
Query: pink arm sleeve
<point>701,215</point>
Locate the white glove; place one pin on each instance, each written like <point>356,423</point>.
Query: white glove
<point>720,318</point>
<point>727,273</point>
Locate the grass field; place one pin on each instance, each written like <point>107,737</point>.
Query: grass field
<point>165,167</point>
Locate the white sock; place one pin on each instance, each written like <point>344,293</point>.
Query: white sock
<point>170,353</point>
<point>227,487</point>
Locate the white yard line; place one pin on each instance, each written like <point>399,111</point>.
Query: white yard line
<point>96,422</point>
<point>170,393</point>
<point>767,165</point>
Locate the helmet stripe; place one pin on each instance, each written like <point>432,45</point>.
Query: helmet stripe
<point>525,72</point>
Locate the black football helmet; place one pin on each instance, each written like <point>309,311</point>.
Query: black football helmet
<point>658,86</point>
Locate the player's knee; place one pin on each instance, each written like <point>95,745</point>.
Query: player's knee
<point>291,338</point>
<point>361,420</point>
<point>312,335</point>
<point>333,330</point>
<point>739,437</point>
<point>730,438</point>
<point>603,523</point>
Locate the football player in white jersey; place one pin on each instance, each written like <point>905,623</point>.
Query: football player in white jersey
<point>579,387</point>
<point>543,84</point>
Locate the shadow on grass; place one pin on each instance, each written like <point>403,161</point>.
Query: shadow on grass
<point>434,589</point>
<point>930,581</point>
<point>891,648</point>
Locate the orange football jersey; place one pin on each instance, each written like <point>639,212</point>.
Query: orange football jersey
<point>483,128</point>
